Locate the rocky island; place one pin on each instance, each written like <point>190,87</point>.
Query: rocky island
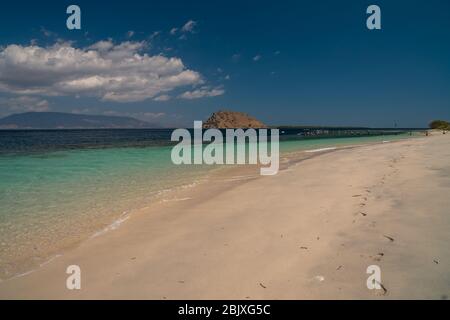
<point>231,119</point>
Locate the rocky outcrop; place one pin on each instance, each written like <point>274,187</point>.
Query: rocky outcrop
<point>232,119</point>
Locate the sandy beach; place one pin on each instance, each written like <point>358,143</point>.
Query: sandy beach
<point>309,232</point>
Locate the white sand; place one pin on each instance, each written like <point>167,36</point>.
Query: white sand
<point>309,232</point>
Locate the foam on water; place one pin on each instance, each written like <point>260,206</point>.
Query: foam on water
<point>113,226</point>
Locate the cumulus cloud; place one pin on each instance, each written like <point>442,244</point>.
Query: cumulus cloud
<point>202,92</point>
<point>103,45</point>
<point>257,57</point>
<point>23,104</point>
<point>113,72</point>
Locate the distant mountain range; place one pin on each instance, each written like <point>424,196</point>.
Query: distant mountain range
<point>59,120</point>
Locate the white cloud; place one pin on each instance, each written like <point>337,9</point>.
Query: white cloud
<point>24,104</point>
<point>113,72</point>
<point>155,34</point>
<point>202,92</point>
<point>257,57</point>
<point>150,115</point>
<point>103,45</point>
<point>189,26</point>
<point>163,97</point>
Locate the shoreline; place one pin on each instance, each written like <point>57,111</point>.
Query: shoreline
<point>204,195</point>
<point>219,174</point>
<point>27,264</point>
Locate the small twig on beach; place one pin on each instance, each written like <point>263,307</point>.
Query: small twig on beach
<point>390,238</point>
<point>364,214</point>
<point>378,256</point>
<point>435,261</point>
<point>356,195</point>
<point>263,286</point>
<point>306,248</point>
<point>338,268</point>
<point>382,287</point>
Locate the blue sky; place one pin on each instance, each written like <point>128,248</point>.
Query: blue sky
<point>285,62</point>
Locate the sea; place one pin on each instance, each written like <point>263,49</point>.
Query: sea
<point>61,187</point>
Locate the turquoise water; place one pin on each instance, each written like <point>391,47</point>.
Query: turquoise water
<point>318,143</point>
<point>54,199</point>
